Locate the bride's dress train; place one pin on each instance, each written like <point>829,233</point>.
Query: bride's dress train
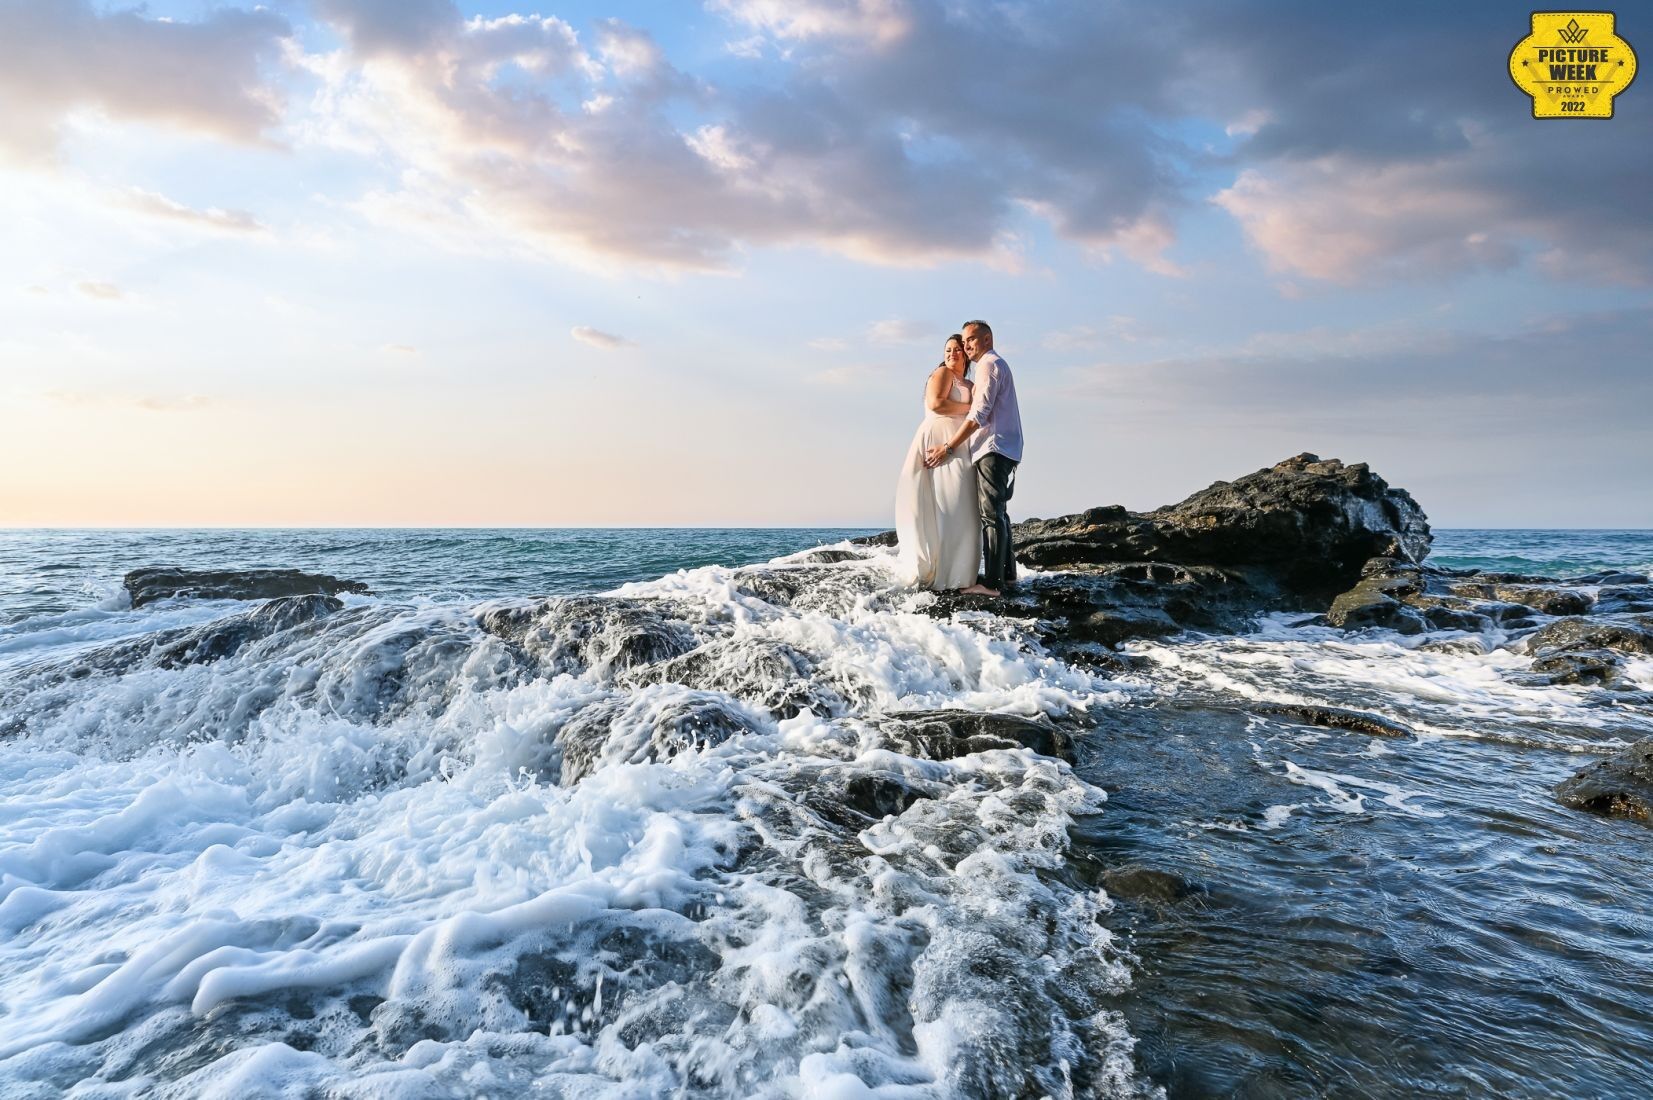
<point>936,523</point>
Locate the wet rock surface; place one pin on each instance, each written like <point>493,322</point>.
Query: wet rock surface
<point>1631,634</point>
<point>1619,786</point>
<point>1306,524</point>
<point>1273,859</point>
<point>154,583</point>
<point>948,734</point>
<point>1287,538</point>
<point>574,633</point>
<point>1339,718</point>
<point>624,731</point>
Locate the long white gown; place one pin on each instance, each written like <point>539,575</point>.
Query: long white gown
<point>937,527</point>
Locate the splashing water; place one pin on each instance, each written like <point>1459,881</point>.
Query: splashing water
<point>655,842</point>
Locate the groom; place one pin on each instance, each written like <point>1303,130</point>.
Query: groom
<point>994,429</point>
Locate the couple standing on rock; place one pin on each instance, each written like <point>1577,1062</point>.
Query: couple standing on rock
<point>960,471</point>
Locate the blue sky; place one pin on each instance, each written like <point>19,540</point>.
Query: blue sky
<point>365,261</point>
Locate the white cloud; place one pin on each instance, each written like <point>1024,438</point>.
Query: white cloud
<point>900,331</point>
<point>863,134</point>
<point>750,47</point>
<point>608,154</point>
<point>1346,222</point>
<point>875,22</point>
<point>596,338</point>
<point>1248,123</point>
<point>158,205</point>
<point>59,56</point>
<point>107,292</point>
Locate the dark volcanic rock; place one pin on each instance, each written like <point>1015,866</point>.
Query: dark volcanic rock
<point>1548,599</point>
<point>770,675</point>
<point>1378,598</point>
<point>1410,598</point>
<point>224,637</point>
<point>1621,785</point>
<point>1288,538</point>
<point>1452,618</point>
<point>573,633</point>
<point>1624,598</point>
<point>1589,666</point>
<point>183,646</point>
<point>1107,604</point>
<point>1306,524</point>
<point>946,734</point>
<point>879,796</point>
<point>854,800</point>
<point>1631,634</point>
<point>1355,721</point>
<point>1612,576</point>
<point>829,557</point>
<point>164,582</point>
<point>625,730</point>
<point>1148,884</point>
<point>809,587</point>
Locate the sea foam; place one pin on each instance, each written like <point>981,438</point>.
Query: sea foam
<point>611,848</point>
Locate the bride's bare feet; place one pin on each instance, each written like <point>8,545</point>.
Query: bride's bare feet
<point>978,590</point>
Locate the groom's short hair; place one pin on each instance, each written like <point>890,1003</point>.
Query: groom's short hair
<point>983,325</point>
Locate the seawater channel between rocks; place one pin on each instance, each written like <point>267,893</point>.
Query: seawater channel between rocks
<point>691,839</point>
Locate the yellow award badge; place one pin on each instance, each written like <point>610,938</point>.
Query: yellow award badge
<point>1572,64</point>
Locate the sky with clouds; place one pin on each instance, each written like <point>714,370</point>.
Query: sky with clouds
<point>424,262</point>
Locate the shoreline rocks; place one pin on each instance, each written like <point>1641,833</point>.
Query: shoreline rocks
<point>1287,538</point>
<point>154,583</point>
<point>1619,786</point>
<point>1330,541</point>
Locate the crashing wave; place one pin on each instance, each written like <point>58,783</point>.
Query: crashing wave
<point>763,832</point>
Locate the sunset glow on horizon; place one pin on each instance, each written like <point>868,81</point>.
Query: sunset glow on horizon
<point>378,263</point>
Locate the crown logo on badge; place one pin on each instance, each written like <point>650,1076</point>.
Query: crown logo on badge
<point>1566,77</point>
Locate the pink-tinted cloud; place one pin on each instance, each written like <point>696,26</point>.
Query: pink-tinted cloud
<point>59,56</point>
<point>603,341</point>
<point>888,156</point>
<point>227,221</point>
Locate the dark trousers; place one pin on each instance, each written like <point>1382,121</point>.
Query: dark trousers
<point>995,481</point>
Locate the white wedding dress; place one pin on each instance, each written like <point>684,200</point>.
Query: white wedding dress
<point>937,526</point>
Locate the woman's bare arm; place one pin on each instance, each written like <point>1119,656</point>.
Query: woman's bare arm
<point>935,394</point>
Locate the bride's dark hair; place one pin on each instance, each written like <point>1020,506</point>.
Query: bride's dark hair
<point>960,338</point>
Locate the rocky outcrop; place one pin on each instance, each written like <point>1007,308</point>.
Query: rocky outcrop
<point>1408,597</point>
<point>1620,786</point>
<point>1287,538</point>
<point>1305,526</point>
<point>168,582</point>
<point>1629,634</point>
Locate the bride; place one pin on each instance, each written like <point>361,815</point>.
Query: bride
<point>936,522</point>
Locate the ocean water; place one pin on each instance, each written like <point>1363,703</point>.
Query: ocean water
<point>626,813</point>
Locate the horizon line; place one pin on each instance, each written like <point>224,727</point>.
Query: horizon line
<point>5,528</point>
